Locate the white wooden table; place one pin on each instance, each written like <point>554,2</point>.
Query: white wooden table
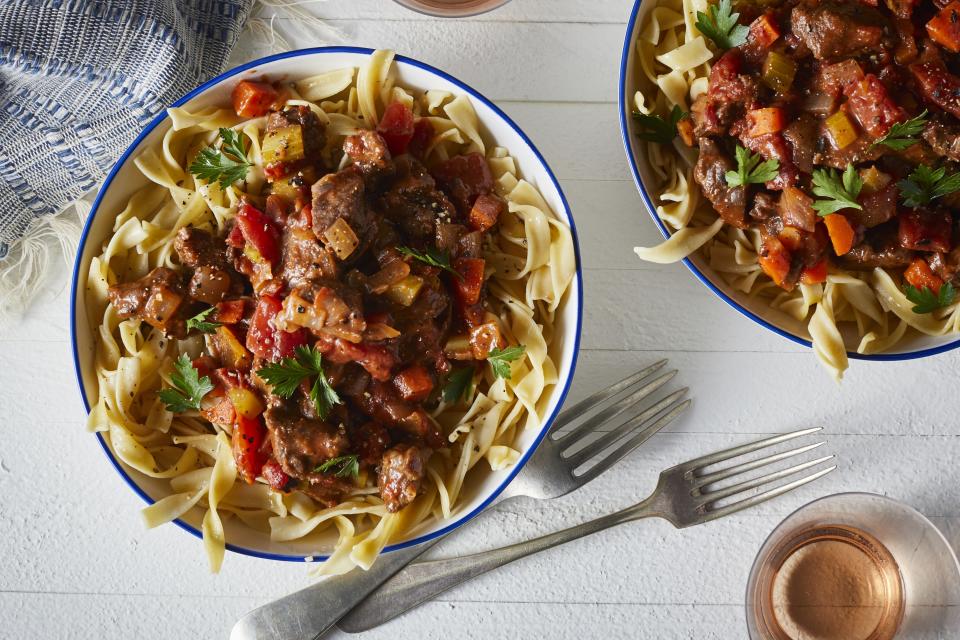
<point>76,562</point>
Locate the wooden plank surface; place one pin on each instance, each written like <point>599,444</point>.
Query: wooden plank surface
<point>77,562</point>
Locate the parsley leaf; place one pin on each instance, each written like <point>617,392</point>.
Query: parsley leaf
<point>458,385</point>
<point>211,164</point>
<point>900,136</point>
<point>285,376</point>
<point>430,257</point>
<point>750,170</point>
<point>661,130</point>
<point>500,359</point>
<point>199,322</point>
<point>342,466</point>
<point>926,184</point>
<point>720,25</point>
<point>925,300</point>
<point>840,192</point>
<point>188,387</point>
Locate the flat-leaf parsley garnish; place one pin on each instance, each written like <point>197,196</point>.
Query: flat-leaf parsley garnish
<point>924,185</point>
<point>285,376</point>
<point>720,25</point>
<point>458,385</point>
<point>200,322</point>
<point>750,170</point>
<point>903,134</point>
<point>661,130</point>
<point>500,359</point>
<point>839,192</point>
<point>188,387</point>
<point>225,166</point>
<point>341,466</point>
<point>430,257</point>
<point>926,301</point>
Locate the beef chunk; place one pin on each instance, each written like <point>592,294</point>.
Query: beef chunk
<point>926,230</point>
<point>834,29</point>
<point>305,258</point>
<point>213,278</point>
<point>464,178</point>
<point>878,207</point>
<point>401,470</point>
<point>370,440</point>
<point>879,248</point>
<point>341,196</point>
<point>729,202</point>
<point>414,203</point>
<point>326,307</point>
<point>802,135</point>
<point>946,265</point>
<point>301,444</point>
<point>764,207</point>
<point>728,99</point>
<point>943,138</point>
<point>314,131</point>
<point>158,299</point>
<point>369,153</point>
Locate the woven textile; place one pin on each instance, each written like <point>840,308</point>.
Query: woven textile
<point>79,80</point>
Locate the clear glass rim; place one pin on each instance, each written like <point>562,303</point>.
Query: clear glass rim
<point>451,12</point>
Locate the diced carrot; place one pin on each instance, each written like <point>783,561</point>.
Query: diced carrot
<point>414,383</point>
<point>841,233</point>
<point>944,28</point>
<point>468,286</point>
<point>253,99</point>
<point>774,259</point>
<point>764,30</point>
<point>485,211</point>
<point>766,120</point>
<point>815,274</point>
<point>921,276</point>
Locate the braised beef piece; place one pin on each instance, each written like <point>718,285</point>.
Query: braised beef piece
<point>381,401</point>
<point>325,307</point>
<point>464,178</point>
<point>878,207</point>
<point>158,298</point>
<point>946,265</point>
<point>764,207</point>
<point>305,258</point>
<point>414,203</point>
<point>341,195</point>
<point>879,248</point>
<point>802,134</point>
<point>943,138</point>
<point>369,441</point>
<point>834,29</point>
<point>730,95</point>
<point>369,153</point>
<point>314,131</point>
<point>424,327</point>
<point>212,279</point>
<point>938,86</point>
<point>401,470</point>
<point>301,444</point>
<point>712,165</point>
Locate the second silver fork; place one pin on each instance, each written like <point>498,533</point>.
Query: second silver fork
<point>554,470</point>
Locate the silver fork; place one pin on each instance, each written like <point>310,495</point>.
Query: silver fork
<point>684,496</point>
<point>554,470</point>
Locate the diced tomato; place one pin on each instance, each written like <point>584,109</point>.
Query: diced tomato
<point>264,339</point>
<point>414,383</point>
<point>815,274</point>
<point>422,136</point>
<point>464,178</point>
<point>248,437</point>
<point>229,311</point>
<point>485,211</point>
<point>841,233</point>
<point>253,99</point>
<point>938,86</point>
<point>926,230</point>
<point>484,338</point>
<point>467,287</point>
<point>873,107</point>
<point>275,476</point>
<point>921,276</point>
<point>774,259</point>
<point>276,170</point>
<point>944,28</point>
<point>397,127</point>
<point>764,30</point>
<point>376,359</point>
<point>221,413</point>
<point>259,231</point>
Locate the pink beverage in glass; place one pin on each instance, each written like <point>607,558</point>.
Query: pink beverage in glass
<point>452,8</point>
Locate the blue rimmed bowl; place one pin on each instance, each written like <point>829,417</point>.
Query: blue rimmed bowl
<point>124,179</point>
<point>914,345</point>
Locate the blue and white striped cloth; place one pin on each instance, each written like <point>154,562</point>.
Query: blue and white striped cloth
<point>79,79</point>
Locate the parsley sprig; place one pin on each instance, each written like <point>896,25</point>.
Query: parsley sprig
<point>458,385</point>
<point>902,134</point>
<point>432,258</point>
<point>226,166</point>
<point>284,378</point>
<point>720,25</point>
<point>658,129</point>
<point>750,170</point>
<point>924,185</point>
<point>200,322</point>
<point>926,301</point>
<point>839,192</point>
<point>500,359</point>
<point>341,466</point>
<point>188,387</point>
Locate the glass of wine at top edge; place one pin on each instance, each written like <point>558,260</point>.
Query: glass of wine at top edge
<point>452,8</point>
<point>854,566</point>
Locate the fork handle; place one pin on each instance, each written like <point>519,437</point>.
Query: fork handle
<point>422,581</point>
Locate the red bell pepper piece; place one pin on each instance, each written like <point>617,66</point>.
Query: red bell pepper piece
<point>264,339</point>
<point>422,135</point>
<point>259,231</point>
<point>248,436</point>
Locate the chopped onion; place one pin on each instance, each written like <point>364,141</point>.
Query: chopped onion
<point>393,272</point>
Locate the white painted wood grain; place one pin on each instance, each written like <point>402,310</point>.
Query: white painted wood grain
<point>77,563</point>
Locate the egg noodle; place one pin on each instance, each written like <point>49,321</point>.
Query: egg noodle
<point>674,69</point>
<point>530,263</point>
